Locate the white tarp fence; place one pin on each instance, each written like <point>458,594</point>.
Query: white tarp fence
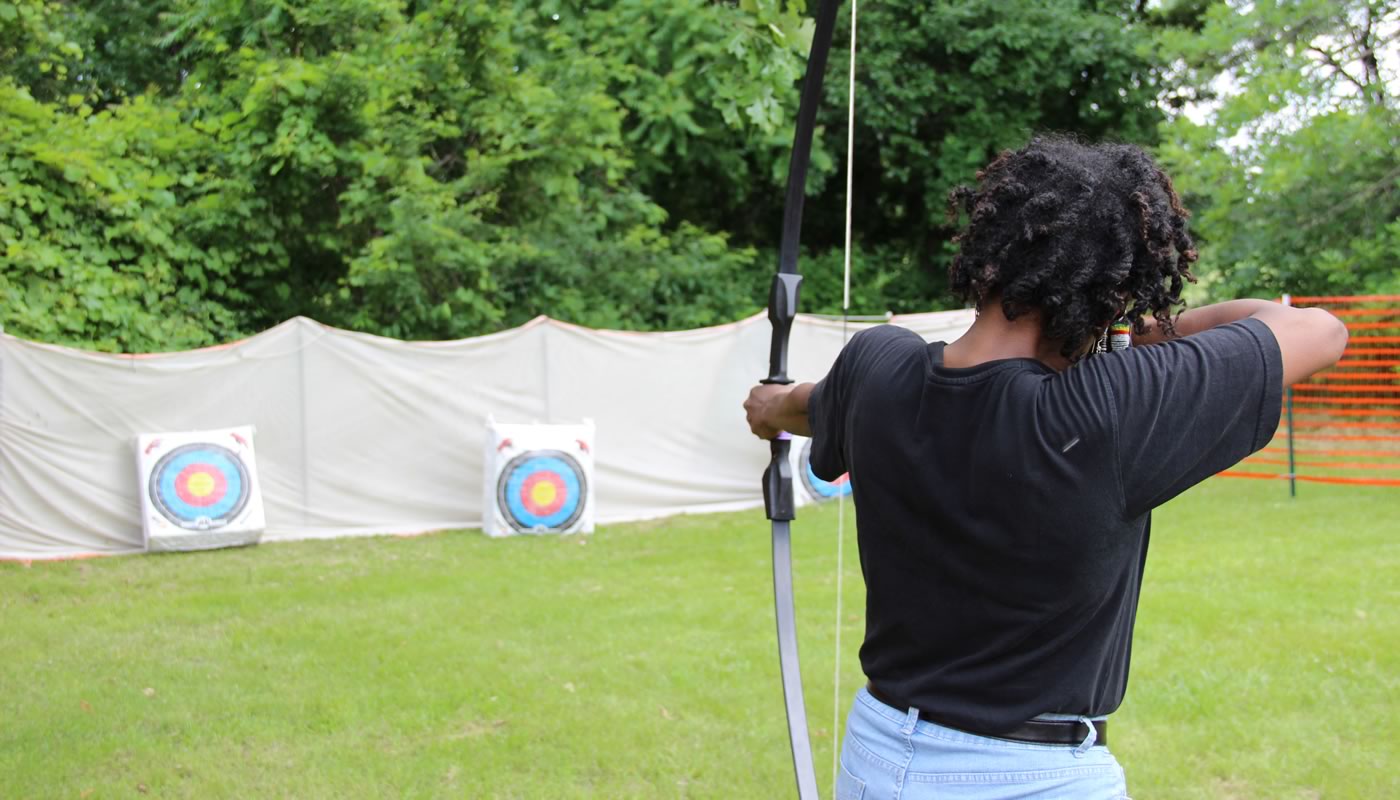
<point>358,434</point>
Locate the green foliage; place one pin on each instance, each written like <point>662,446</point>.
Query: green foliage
<point>91,213</point>
<point>118,49</point>
<point>437,168</point>
<point>708,92</point>
<point>1314,212</point>
<point>942,88</point>
<point>34,47</point>
<point>1295,177</point>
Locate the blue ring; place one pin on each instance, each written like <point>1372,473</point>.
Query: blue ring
<point>820,489</point>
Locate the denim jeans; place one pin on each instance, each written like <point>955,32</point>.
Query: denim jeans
<point>889,754</point>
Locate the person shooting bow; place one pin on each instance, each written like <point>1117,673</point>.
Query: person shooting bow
<point>1004,483</point>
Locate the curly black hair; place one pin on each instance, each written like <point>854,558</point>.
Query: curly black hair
<point>1083,233</point>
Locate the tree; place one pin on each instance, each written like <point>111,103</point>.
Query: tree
<point>1295,176</point>
<point>942,88</point>
<point>94,252</point>
<point>176,172</point>
<point>417,169</point>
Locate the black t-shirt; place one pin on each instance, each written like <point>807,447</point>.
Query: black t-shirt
<point>1003,509</point>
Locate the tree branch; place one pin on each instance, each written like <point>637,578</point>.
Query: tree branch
<point>1369,62</point>
<point>1330,60</point>
<point>1365,193</point>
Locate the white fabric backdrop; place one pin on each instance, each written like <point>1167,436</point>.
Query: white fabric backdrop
<point>358,434</point>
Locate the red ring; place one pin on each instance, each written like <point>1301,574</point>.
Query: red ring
<point>182,485</point>
<point>527,493</point>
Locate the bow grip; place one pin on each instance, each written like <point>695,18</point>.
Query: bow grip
<point>782,310</point>
<point>777,481</point>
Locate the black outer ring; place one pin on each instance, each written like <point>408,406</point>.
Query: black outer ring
<point>514,464</point>
<point>153,488</point>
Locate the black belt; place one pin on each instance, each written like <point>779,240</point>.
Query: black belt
<point>1035,731</point>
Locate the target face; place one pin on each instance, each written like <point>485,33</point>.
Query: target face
<point>542,490</point>
<point>199,486</point>
<point>816,487</point>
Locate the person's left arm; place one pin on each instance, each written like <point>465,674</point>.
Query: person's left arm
<point>772,409</point>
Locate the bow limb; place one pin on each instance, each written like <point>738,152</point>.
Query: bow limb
<point>777,479</point>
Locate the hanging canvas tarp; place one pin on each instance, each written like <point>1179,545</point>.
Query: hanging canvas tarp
<point>359,434</point>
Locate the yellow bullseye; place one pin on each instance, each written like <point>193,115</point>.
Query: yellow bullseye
<point>543,493</point>
<point>200,484</point>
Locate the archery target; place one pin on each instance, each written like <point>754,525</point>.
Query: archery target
<point>818,489</point>
<point>539,479</point>
<point>542,490</point>
<point>199,486</point>
<point>199,490</point>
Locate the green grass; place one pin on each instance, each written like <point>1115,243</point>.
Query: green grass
<point>640,662</point>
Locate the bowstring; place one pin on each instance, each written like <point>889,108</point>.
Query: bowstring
<point>845,337</point>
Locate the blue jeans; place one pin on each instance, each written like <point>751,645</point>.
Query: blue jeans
<point>889,754</point>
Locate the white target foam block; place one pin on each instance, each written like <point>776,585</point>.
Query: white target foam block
<point>199,490</point>
<point>810,488</point>
<point>539,479</point>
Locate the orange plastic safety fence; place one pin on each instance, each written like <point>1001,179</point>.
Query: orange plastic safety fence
<point>1363,298</point>
<point>1353,481</point>
<point>1364,312</point>
<point>1345,387</point>
<point>1342,437</point>
<point>1313,478</point>
<point>1355,376</point>
<point>1337,451</point>
<point>1356,401</point>
<point>1327,464</point>
<point>1348,401</point>
<point>1330,423</point>
<point>1312,413</point>
<point>1372,362</point>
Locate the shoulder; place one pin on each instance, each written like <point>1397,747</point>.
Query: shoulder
<point>886,333</point>
<point>874,354</point>
<point>881,350</point>
<point>884,339</point>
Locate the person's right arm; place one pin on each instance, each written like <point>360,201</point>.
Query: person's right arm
<point>1309,339</point>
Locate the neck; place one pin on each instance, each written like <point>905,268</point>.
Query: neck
<point>993,337</point>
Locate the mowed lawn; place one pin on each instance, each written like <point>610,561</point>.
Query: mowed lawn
<point>640,661</point>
